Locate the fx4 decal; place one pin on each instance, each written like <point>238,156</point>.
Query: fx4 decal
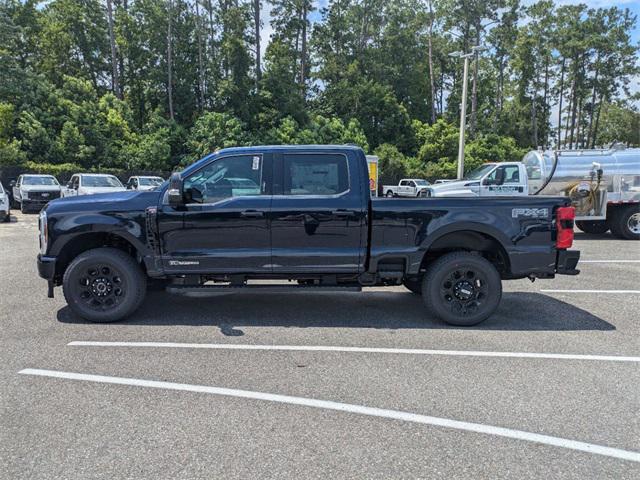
<point>530,212</point>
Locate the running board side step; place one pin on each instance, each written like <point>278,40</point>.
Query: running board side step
<point>203,290</point>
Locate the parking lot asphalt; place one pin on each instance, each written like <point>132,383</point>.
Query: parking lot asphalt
<point>458,410</point>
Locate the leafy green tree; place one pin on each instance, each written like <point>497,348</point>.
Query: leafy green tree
<point>392,164</point>
<point>213,131</point>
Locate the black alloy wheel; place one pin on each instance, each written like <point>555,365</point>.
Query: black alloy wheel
<point>104,285</point>
<point>462,288</point>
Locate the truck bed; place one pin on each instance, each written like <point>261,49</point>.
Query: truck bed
<point>524,226</point>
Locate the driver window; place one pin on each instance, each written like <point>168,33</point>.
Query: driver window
<point>511,174</point>
<point>502,175</point>
<point>236,176</point>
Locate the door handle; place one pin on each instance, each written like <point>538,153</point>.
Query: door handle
<point>343,213</point>
<point>251,214</point>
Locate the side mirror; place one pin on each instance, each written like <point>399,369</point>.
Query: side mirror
<point>69,185</point>
<point>500,175</point>
<point>12,183</point>
<point>175,194</point>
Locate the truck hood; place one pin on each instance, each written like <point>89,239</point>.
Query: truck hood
<point>40,188</point>
<point>94,190</point>
<point>454,189</point>
<point>114,201</point>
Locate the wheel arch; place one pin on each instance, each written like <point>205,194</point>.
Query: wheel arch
<point>486,241</point>
<point>83,242</point>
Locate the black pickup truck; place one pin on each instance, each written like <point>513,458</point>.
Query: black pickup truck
<point>303,216</point>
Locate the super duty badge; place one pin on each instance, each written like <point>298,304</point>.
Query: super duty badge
<point>530,212</point>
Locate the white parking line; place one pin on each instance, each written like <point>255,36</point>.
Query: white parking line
<point>351,408</point>
<point>609,261</point>
<point>322,348</point>
<point>591,291</point>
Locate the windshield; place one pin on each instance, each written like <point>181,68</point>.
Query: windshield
<point>100,181</point>
<point>479,172</point>
<point>39,181</point>
<point>421,182</point>
<point>150,181</point>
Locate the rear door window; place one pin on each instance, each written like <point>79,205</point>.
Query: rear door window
<point>315,174</point>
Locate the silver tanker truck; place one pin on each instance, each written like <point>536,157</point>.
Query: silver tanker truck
<point>604,186</point>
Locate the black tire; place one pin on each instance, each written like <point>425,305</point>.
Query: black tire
<point>413,285</point>
<point>625,222</point>
<point>596,227</point>
<point>104,285</point>
<point>23,208</point>
<point>7,217</point>
<point>462,288</point>
<point>389,194</point>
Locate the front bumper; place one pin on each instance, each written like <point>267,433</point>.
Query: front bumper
<point>35,204</point>
<point>46,267</point>
<point>566,262</point>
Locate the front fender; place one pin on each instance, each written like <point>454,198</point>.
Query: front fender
<point>129,226</point>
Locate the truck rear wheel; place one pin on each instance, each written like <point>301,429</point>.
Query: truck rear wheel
<point>596,227</point>
<point>462,288</point>
<point>625,222</point>
<point>389,194</point>
<point>104,285</point>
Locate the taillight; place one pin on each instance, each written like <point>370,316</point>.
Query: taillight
<point>564,224</point>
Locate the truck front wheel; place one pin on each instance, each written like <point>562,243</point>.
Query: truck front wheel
<point>462,288</point>
<point>625,222</point>
<point>104,285</point>
<point>597,227</point>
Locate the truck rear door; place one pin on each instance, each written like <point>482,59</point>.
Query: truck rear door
<point>318,212</point>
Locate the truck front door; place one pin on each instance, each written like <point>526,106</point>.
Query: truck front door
<point>318,213</point>
<point>503,180</point>
<point>223,227</point>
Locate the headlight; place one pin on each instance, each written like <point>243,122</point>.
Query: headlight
<point>44,231</point>
<point>24,195</point>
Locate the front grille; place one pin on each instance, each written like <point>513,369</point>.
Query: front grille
<point>43,196</point>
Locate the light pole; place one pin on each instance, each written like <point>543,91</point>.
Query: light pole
<point>463,105</point>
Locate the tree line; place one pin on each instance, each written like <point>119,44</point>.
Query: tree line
<point>155,84</point>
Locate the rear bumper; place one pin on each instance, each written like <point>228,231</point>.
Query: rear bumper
<point>46,267</point>
<point>566,262</point>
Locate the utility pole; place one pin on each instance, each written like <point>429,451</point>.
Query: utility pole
<point>463,104</point>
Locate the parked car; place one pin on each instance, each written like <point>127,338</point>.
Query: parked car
<point>310,220</point>
<point>32,192</point>
<point>407,187</point>
<point>5,208</point>
<point>144,183</point>
<point>92,183</point>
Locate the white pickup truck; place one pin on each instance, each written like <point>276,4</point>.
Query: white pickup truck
<point>5,210</point>
<point>490,179</point>
<point>91,183</point>
<point>407,187</point>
